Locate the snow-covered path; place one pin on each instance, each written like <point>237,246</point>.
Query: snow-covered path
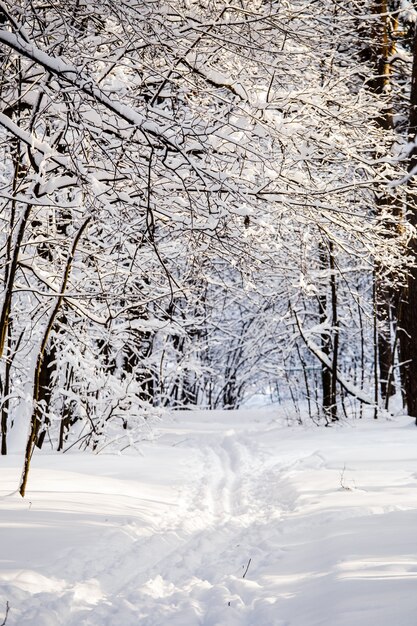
<point>228,519</point>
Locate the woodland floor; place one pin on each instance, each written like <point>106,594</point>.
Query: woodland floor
<point>225,519</point>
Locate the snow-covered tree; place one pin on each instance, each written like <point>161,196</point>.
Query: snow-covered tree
<point>188,205</point>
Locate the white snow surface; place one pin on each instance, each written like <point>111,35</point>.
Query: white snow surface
<point>227,519</point>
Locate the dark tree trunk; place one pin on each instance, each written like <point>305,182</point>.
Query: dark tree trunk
<point>68,415</point>
<point>382,49</point>
<point>408,322</point>
<point>46,374</point>
<point>36,419</point>
<point>5,393</point>
<point>327,378</point>
<point>385,345</point>
<point>335,334</point>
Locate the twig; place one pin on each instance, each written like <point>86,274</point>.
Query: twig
<point>5,617</point>
<point>247,567</point>
<point>342,477</point>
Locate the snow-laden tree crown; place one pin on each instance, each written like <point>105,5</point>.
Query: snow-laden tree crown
<point>200,201</point>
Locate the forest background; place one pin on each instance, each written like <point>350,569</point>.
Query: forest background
<point>202,202</point>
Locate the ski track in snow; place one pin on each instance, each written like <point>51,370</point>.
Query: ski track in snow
<point>228,519</point>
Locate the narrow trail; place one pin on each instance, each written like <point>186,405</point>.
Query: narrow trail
<point>227,522</point>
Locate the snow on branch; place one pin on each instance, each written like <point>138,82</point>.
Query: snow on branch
<point>72,75</point>
<point>324,359</point>
<point>33,142</point>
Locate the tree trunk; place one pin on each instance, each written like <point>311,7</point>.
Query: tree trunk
<point>5,393</point>
<point>45,389</point>
<point>330,338</point>
<point>382,50</point>
<point>335,334</point>
<point>326,375</point>
<point>408,322</point>
<point>36,421</point>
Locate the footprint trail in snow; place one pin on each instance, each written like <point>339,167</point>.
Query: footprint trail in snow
<point>228,519</point>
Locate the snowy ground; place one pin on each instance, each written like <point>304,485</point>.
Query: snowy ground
<point>228,519</point>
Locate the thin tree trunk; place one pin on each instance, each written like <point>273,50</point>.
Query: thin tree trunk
<point>45,388</point>
<point>36,421</point>
<point>335,331</point>
<point>362,339</point>
<point>67,416</point>
<point>5,392</point>
<point>326,373</point>
<point>376,377</point>
<point>305,375</point>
